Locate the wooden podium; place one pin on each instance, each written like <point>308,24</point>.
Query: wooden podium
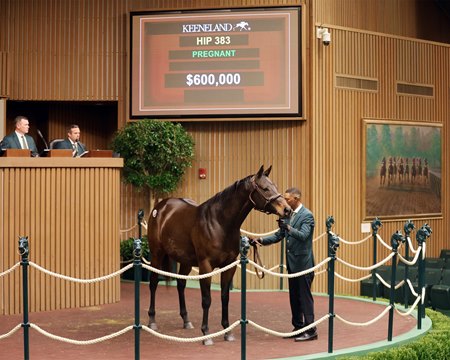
<point>17,153</point>
<point>70,210</point>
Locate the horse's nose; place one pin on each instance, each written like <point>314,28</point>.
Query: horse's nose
<point>287,211</point>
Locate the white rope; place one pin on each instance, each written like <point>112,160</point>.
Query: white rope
<point>320,236</point>
<point>301,273</point>
<point>290,334</point>
<point>411,247</point>
<point>411,287</point>
<point>423,250</point>
<point>143,223</point>
<point>80,342</point>
<point>11,269</point>
<point>389,257</point>
<point>194,277</point>
<point>370,322</point>
<point>402,259</point>
<point>352,280</point>
<point>12,331</point>
<point>194,339</point>
<point>251,234</point>
<point>83,281</point>
<point>382,280</point>
<point>410,310</point>
<point>383,243</point>
<point>354,242</point>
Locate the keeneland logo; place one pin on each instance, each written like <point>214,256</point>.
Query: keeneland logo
<point>219,27</point>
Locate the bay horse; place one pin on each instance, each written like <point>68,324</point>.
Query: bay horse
<point>383,172</point>
<point>207,236</point>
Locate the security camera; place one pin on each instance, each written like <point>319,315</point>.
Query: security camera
<point>324,34</point>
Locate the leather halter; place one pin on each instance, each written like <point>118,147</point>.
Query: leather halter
<point>267,200</point>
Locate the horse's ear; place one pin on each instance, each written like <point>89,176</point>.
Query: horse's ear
<point>267,172</point>
<point>260,172</point>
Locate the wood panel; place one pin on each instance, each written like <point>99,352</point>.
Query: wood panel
<point>4,74</point>
<point>70,213</point>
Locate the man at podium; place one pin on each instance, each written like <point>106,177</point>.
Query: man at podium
<point>19,138</point>
<point>72,142</point>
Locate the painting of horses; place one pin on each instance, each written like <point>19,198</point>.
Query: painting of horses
<point>207,236</point>
<point>402,169</point>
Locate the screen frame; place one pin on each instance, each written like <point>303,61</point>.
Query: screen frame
<point>227,115</point>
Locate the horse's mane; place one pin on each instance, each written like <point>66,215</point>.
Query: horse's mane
<point>227,192</point>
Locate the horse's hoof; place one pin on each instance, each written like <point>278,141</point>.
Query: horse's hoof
<point>208,342</point>
<point>188,325</point>
<point>153,326</point>
<point>229,337</point>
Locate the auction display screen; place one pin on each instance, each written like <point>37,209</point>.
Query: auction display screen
<point>212,63</point>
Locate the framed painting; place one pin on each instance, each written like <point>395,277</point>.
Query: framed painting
<point>401,169</point>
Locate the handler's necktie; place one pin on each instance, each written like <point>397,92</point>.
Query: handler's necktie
<point>24,143</point>
<point>75,149</point>
<point>292,218</point>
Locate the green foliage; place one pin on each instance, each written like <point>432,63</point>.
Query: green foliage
<point>156,154</point>
<point>127,248</point>
<point>434,345</point>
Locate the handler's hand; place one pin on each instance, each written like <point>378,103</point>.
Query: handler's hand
<point>254,242</point>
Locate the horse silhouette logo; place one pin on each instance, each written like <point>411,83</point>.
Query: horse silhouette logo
<point>243,25</point>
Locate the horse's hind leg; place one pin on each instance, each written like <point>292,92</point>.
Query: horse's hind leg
<point>205,286</point>
<point>225,284</point>
<point>151,311</point>
<point>181,285</point>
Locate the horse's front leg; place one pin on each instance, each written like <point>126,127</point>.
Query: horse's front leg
<point>205,287</point>
<point>151,311</point>
<point>225,284</point>
<point>181,286</point>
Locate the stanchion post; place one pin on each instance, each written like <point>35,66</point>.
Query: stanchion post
<point>396,238</point>
<point>245,246</point>
<point>422,234</point>
<point>24,251</point>
<point>137,264</point>
<point>282,263</point>
<point>333,244</point>
<point>409,226</point>
<point>376,224</point>
<point>140,217</point>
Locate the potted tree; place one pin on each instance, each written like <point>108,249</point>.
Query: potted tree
<point>156,155</point>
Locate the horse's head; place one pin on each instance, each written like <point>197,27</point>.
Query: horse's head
<point>265,196</point>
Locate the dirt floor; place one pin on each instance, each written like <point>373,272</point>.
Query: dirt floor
<point>268,309</point>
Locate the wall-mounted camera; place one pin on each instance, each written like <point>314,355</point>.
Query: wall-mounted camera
<point>324,34</point>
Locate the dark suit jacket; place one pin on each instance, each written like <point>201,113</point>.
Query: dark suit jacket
<point>66,144</point>
<point>11,141</point>
<point>299,254</point>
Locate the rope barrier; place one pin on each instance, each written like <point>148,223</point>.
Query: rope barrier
<point>402,259</point>
<point>410,310</point>
<point>80,342</point>
<point>293,333</point>
<point>353,242</point>
<point>12,331</point>
<point>370,268</point>
<point>370,322</point>
<point>11,269</point>
<point>194,339</point>
<point>194,277</point>
<point>293,275</point>
<point>383,243</point>
<point>411,247</point>
<point>82,281</point>
<point>251,234</point>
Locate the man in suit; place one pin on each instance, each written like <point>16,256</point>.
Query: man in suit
<point>72,142</point>
<point>19,138</point>
<point>298,232</point>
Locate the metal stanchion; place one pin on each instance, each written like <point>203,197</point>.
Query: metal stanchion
<point>409,226</point>
<point>396,238</point>
<point>376,224</point>
<point>422,234</point>
<point>137,264</point>
<point>244,261</point>
<point>333,244</point>
<point>23,251</point>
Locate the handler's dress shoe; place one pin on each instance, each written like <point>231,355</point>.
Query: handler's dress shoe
<point>307,337</point>
<point>292,336</point>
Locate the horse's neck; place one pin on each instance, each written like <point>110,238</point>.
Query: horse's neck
<point>231,206</point>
